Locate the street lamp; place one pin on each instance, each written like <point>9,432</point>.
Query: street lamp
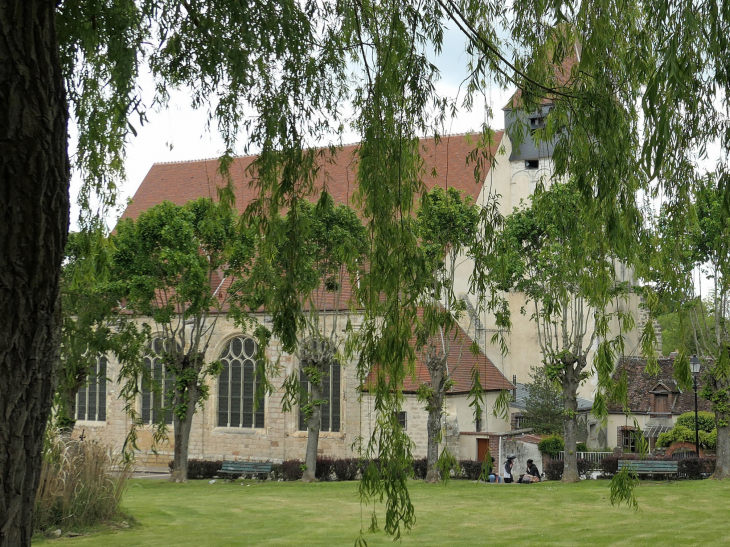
<point>694,362</point>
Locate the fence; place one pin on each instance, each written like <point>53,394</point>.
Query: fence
<point>593,457</point>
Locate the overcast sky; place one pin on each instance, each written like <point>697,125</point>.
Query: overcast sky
<point>179,132</point>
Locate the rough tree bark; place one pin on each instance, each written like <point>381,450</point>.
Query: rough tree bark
<point>189,398</point>
<point>722,464</point>
<point>570,382</point>
<point>435,403</point>
<point>313,424</point>
<point>34,209</point>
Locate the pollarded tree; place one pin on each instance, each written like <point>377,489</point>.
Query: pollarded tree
<point>567,274</point>
<point>173,267</point>
<point>331,251</point>
<point>447,224</point>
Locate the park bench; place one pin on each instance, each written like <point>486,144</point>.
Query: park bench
<point>234,469</point>
<point>650,467</point>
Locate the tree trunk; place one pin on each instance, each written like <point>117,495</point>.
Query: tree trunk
<point>313,424</point>
<point>722,464</point>
<point>34,207</point>
<point>437,372</point>
<point>182,432</point>
<point>570,425</point>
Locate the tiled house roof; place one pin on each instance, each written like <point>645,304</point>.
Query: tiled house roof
<point>445,165</point>
<point>643,386</point>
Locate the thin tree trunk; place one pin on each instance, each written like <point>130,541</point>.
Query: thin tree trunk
<point>34,206</point>
<point>436,370</point>
<point>182,433</point>
<point>313,425</point>
<point>722,464</point>
<point>570,426</point>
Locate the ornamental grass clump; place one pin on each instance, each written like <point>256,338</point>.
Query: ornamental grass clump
<point>81,484</point>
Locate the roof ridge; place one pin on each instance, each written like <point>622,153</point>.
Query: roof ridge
<point>343,145</point>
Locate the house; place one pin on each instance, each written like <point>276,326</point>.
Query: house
<point>654,401</point>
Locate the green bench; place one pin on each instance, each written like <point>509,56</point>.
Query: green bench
<point>649,467</point>
<point>234,469</point>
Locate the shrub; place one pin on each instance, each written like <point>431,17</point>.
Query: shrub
<point>81,484</point>
<point>554,469</point>
<point>420,468</point>
<point>705,421</point>
<point>551,446</point>
<point>202,469</point>
<point>345,469</point>
<point>292,470</point>
<point>680,433</point>
<point>695,468</point>
<point>609,466</point>
<point>324,468</point>
<point>471,470</point>
<point>581,447</point>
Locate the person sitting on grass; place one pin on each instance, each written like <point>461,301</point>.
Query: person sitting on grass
<point>493,475</point>
<point>532,475</point>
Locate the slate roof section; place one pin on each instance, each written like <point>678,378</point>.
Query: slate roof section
<point>641,384</point>
<point>181,182</point>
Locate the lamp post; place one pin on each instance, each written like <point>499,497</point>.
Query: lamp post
<point>694,362</point>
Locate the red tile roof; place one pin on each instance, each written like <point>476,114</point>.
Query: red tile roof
<point>181,182</point>
<point>461,362</point>
<point>564,76</point>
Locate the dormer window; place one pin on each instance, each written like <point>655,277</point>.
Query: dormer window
<point>532,164</point>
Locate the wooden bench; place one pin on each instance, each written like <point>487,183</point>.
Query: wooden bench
<point>649,467</point>
<point>234,469</point>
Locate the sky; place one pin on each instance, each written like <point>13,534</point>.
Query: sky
<point>180,133</point>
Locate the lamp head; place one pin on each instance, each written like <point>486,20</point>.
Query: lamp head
<point>695,364</point>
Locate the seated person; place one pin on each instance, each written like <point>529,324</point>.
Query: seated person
<point>493,475</point>
<point>533,473</point>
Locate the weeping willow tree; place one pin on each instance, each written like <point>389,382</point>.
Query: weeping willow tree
<point>567,273</point>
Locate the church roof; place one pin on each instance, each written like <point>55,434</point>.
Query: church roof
<point>445,165</point>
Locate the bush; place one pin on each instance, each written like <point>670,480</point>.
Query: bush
<point>705,421</point>
<point>609,466</point>
<point>292,470</point>
<point>581,447</point>
<point>695,468</point>
<point>276,472</point>
<point>345,469</point>
<point>324,469</point>
<point>202,469</point>
<point>471,470</point>
<point>680,433</point>
<point>554,469</point>
<point>81,484</point>
<point>551,446</point>
<point>420,468</point>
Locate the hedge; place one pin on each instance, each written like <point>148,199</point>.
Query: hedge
<point>202,469</point>
<point>554,469</point>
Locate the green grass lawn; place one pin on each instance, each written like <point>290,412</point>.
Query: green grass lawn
<point>199,514</point>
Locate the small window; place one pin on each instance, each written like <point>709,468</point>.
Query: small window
<point>532,164</point>
<point>403,419</point>
<point>478,424</point>
<point>661,403</point>
<point>91,399</point>
<point>628,441</point>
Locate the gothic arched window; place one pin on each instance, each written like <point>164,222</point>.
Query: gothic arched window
<point>237,386</point>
